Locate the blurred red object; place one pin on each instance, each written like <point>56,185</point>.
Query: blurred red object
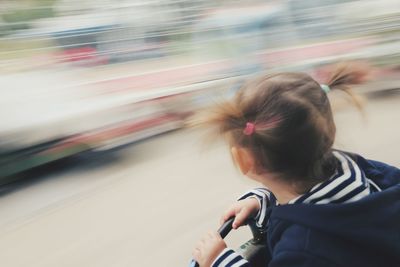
<point>86,54</point>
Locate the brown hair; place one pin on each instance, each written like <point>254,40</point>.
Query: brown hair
<point>294,128</point>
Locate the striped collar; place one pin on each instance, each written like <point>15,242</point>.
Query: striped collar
<point>348,184</point>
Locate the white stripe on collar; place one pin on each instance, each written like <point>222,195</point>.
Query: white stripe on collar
<point>347,185</point>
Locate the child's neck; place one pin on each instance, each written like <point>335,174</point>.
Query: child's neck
<point>283,192</point>
<point>283,197</point>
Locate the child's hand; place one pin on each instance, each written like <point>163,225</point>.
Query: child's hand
<point>242,210</point>
<point>208,248</point>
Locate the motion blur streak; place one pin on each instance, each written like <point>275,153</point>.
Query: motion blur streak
<point>82,82</point>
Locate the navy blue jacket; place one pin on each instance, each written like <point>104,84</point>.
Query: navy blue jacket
<point>364,233</point>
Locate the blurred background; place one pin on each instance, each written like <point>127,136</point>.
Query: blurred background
<point>97,167</point>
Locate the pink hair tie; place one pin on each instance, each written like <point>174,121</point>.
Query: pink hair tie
<point>249,129</point>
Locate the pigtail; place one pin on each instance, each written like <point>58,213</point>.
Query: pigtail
<point>345,75</point>
<point>224,118</point>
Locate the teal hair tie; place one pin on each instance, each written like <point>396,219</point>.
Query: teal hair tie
<point>325,88</point>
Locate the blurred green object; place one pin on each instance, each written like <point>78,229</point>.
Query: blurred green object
<point>14,162</point>
<point>19,18</point>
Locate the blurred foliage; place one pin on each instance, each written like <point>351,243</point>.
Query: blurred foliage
<point>18,18</point>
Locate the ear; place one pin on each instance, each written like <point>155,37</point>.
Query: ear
<point>243,159</point>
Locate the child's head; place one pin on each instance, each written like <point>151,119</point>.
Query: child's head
<point>284,123</point>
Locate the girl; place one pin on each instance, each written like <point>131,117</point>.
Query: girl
<point>319,206</point>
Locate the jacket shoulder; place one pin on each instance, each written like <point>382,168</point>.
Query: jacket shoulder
<point>384,175</point>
